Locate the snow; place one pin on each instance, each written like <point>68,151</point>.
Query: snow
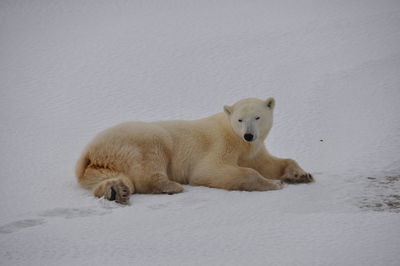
<point>69,69</point>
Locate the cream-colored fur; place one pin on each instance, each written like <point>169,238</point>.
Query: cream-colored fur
<point>139,157</point>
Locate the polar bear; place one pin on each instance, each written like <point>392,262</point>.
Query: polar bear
<point>225,150</point>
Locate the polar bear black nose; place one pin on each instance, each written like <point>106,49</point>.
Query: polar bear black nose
<point>248,137</point>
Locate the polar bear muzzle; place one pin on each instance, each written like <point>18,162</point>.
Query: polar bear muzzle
<point>248,137</point>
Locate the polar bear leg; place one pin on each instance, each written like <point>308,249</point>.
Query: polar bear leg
<point>287,170</point>
<point>157,182</point>
<point>231,177</point>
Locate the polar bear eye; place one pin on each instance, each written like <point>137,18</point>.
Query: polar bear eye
<point>240,120</point>
<point>257,117</point>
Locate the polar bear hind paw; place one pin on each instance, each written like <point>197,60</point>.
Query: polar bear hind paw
<point>113,190</point>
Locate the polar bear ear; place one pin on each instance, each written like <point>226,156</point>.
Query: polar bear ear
<point>228,109</point>
<point>270,103</point>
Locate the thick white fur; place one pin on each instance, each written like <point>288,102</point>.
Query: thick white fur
<point>155,157</point>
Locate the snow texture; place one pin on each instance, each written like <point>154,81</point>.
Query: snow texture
<point>69,69</point>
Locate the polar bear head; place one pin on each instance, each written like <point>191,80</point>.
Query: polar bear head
<point>251,118</point>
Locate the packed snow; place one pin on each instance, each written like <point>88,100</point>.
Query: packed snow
<point>69,69</point>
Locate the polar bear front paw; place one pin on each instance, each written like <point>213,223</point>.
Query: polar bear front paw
<point>297,178</point>
<point>295,175</point>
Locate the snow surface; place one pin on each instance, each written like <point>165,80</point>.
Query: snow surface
<point>69,69</point>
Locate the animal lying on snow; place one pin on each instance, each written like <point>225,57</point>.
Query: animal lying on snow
<point>225,150</point>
